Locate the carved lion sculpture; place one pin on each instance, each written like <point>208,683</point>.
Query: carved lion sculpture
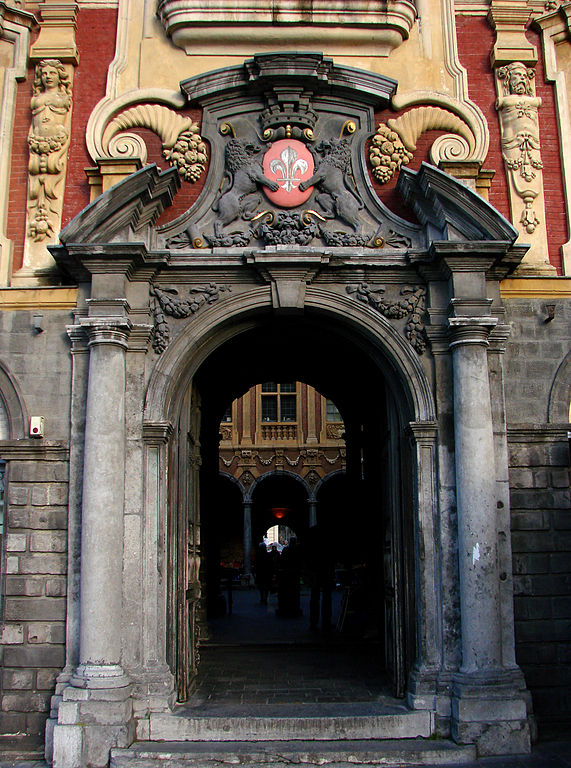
<point>243,172</point>
<point>332,177</point>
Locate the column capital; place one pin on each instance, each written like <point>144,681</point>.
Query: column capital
<point>470,330</point>
<point>78,337</point>
<point>157,432</point>
<point>423,431</point>
<point>106,330</point>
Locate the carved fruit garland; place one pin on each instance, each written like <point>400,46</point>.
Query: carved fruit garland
<point>393,144</point>
<point>412,304</point>
<point>182,143</point>
<point>166,302</point>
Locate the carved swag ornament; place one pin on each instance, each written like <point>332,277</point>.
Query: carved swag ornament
<point>411,305</point>
<point>165,301</point>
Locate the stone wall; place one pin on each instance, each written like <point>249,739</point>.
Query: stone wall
<point>34,606</point>
<point>37,365</point>
<point>540,505</point>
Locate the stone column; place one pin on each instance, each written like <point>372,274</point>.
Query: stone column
<point>488,707</point>
<point>475,494</point>
<point>247,538</point>
<point>312,513</point>
<point>102,508</point>
<point>96,710</point>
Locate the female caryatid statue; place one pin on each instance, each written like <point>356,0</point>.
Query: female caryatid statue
<point>48,139</point>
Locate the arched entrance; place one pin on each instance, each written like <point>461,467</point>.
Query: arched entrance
<point>373,532</point>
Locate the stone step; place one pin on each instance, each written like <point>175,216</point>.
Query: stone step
<point>309,722</point>
<point>266,754</point>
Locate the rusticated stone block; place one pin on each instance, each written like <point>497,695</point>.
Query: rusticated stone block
<point>18,495</point>
<point>25,702</point>
<point>16,542</point>
<point>12,634</point>
<point>46,679</point>
<point>12,722</point>
<point>52,541</point>
<point>12,564</point>
<point>35,609</point>
<point>17,679</point>
<point>51,518</point>
<point>19,586</point>
<point>34,656</point>
<point>39,471</point>
<point>40,496</point>
<point>56,587</point>
<point>48,494</point>
<point>39,632</point>
<point>43,563</point>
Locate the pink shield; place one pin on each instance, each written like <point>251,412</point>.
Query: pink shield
<point>287,162</point>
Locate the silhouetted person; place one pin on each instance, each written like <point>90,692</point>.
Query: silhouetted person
<point>263,572</point>
<point>289,581</point>
<point>320,569</point>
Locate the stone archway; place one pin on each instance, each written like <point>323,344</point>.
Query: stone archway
<point>383,346</point>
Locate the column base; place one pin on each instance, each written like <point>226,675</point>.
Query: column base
<point>92,719</point>
<point>431,689</point>
<point>489,710</point>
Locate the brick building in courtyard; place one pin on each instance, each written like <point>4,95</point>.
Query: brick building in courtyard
<point>300,262</point>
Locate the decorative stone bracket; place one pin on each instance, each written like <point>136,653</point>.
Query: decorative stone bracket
<point>288,275</point>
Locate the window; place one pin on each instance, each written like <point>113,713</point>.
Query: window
<point>227,417</point>
<point>332,412</point>
<point>279,402</point>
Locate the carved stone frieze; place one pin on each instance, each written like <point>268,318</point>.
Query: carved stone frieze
<point>335,431</point>
<point>412,305</point>
<point>285,228</point>
<point>166,302</point>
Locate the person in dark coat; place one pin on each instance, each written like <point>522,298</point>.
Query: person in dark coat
<point>263,572</point>
<point>289,576</point>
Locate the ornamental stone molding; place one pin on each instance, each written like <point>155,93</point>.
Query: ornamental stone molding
<point>188,23</point>
<point>555,28</point>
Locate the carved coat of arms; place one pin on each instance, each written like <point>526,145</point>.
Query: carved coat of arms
<point>288,162</point>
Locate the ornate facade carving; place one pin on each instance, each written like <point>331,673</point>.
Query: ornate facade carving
<point>166,302</point>
<point>518,109</point>
<point>411,305</point>
<point>48,140</point>
<point>182,142</point>
<point>394,143</point>
<point>243,176</point>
